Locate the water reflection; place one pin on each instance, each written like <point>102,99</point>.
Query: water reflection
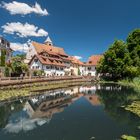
<point>26,115</point>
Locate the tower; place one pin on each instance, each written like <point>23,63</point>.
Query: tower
<point>48,41</point>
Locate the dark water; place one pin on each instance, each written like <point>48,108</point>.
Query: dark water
<point>76,113</point>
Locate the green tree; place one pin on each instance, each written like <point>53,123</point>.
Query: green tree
<point>17,66</point>
<point>79,72</point>
<point>115,60</point>
<point>133,43</point>
<point>3,53</point>
<point>38,73</point>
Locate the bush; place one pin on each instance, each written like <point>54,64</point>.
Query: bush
<point>38,73</point>
<point>7,72</point>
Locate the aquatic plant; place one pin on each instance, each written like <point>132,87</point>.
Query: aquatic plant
<point>134,107</point>
<point>126,137</point>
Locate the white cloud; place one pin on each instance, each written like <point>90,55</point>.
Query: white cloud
<point>78,57</point>
<point>23,8</point>
<point>24,124</point>
<point>19,47</point>
<point>23,30</point>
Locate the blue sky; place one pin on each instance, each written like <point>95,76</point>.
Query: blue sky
<point>81,27</point>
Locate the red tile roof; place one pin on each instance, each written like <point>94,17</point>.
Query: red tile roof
<point>50,49</point>
<point>94,59</point>
<point>76,61</point>
<point>48,61</point>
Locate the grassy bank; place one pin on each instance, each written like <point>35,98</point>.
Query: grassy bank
<point>35,89</point>
<point>135,83</point>
<point>134,107</point>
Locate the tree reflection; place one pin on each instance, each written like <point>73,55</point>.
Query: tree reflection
<point>114,99</point>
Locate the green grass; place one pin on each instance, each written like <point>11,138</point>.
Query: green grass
<point>135,83</point>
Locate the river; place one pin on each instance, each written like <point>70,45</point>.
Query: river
<point>74,113</point>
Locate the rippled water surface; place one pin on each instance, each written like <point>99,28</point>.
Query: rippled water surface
<point>76,113</point>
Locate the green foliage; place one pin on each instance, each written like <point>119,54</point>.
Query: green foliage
<point>22,56</point>
<point>7,72</point>
<point>79,73</point>
<point>122,60</point>
<point>3,53</point>
<point>126,137</point>
<point>132,71</point>
<point>133,43</point>
<point>115,60</point>
<point>17,66</point>
<point>38,73</point>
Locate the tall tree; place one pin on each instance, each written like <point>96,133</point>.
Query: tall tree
<point>133,43</point>
<point>115,60</point>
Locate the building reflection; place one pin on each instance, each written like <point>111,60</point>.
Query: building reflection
<point>49,104</point>
<point>39,110</point>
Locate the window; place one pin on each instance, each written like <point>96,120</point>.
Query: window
<point>37,67</point>
<point>47,67</point>
<point>36,60</point>
<point>90,62</point>
<point>89,68</point>
<point>8,44</point>
<point>56,68</point>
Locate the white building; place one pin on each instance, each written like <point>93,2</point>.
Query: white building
<point>55,62</point>
<point>93,61</point>
<point>49,58</point>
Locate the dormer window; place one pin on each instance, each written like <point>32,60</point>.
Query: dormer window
<point>90,62</point>
<point>8,44</point>
<point>36,60</point>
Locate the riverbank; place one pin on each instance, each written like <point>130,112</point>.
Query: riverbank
<point>135,83</point>
<point>134,106</point>
<point>25,90</point>
<point>24,83</point>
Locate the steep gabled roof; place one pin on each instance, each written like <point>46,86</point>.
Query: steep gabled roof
<point>48,61</point>
<point>94,59</point>
<point>48,48</point>
<point>76,61</point>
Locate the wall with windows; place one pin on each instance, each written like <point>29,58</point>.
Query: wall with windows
<point>53,70</point>
<point>48,69</point>
<point>90,71</point>
<point>36,65</point>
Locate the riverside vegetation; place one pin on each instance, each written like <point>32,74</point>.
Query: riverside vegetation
<point>121,64</point>
<point>35,89</point>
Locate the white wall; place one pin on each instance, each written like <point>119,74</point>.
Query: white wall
<point>36,65</point>
<point>82,70</point>
<point>92,71</point>
<point>48,72</point>
<point>53,71</point>
<point>31,52</point>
